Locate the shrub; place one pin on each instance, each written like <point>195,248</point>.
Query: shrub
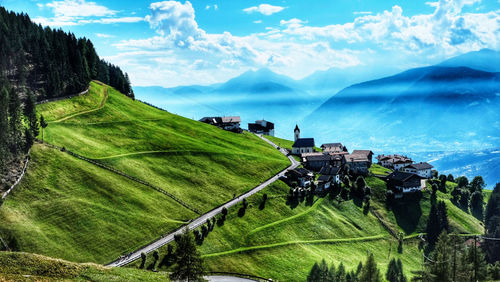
<point>143,260</point>
<point>264,197</point>
<point>224,211</point>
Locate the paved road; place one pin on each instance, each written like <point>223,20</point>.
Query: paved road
<point>203,218</point>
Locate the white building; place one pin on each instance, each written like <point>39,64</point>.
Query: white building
<point>303,145</point>
<point>421,169</point>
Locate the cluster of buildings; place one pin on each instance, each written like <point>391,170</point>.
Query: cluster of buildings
<point>232,123</point>
<point>407,175</point>
<point>334,160</point>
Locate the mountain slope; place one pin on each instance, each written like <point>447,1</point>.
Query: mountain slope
<point>259,82</point>
<point>199,164</point>
<point>416,110</point>
<point>485,60</point>
<point>282,238</point>
<point>31,267</point>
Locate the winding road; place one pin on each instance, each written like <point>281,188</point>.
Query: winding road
<point>203,218</point>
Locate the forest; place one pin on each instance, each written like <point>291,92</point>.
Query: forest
<point>39,63</point>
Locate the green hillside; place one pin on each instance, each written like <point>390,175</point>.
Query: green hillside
<point>30,267</point>
<point>71,209</point>
<point>282,241</point>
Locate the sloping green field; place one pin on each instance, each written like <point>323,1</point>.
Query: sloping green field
<point>198,163</point>
<point>30,267</point>
<point>282,241</point>
<point>69,208</point>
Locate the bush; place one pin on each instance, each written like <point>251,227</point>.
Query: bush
<point>143,260</point>
<point>264,197</point>
<point>224,211</point>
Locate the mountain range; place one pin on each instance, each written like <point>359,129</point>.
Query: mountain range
<point>448,107</point>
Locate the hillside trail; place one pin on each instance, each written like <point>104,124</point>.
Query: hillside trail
<point>103,102</point>
<point>124,260</point>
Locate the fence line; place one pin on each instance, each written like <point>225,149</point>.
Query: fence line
<point>238,275</point>
<point>5,244</point>
<point>384,224</point>
<point>116,171</point>
<point>18,179</point>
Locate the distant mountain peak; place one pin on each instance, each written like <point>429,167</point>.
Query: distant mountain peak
<point>484,60</point>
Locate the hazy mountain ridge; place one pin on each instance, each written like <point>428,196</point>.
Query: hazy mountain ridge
<point>447,107</point>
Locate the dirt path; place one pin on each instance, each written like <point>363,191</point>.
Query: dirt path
<point>103,102</point>
<point>296,242</point>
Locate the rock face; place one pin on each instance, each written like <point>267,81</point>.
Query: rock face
<point>10,174</point>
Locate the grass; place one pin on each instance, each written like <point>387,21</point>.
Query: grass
<point>70,209</point>
<point>284,143</point>
<point>31,267</point>
<point>379,170</point>
<point>198,163</point>
<point>282,241</point>
<point>409,214</point>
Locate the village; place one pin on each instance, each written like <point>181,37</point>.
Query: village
<point>327,166</point>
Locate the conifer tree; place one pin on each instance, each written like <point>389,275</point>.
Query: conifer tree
<point>433,226</point>
<point>189,264</point>
<point>492,226</point>
<point>43,124</point>
<point>314,274</point>
<point>370,271</point>
<point>30,114</point>
<point>4,125</point>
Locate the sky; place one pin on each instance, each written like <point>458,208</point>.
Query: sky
<point>172,43</point>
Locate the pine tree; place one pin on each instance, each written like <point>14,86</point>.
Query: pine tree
<point>189,265</point>
<point>43,124</point>
<point>314,274</point>
<point>443,217</point>
<point>477,184</point>
<point>30,114</point>
<point>476,204</point>
<point>441,267</point>
<point>341,273</point>
<point>492,226</point>
<point>15,125</point>
<point>370,272</point>
<point>4,125</point>
<point>323,271</point>
<point>433,226</point>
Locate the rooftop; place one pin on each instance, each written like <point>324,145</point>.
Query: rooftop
<point>304,142</point>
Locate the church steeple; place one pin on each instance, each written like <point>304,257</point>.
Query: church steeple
<point>296,132</point>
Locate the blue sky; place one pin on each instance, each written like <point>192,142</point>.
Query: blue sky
<point>170,43</point>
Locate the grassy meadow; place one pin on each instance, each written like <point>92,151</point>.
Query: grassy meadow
<point>31,267</point>
<point>67,208</point>
<point>70,209</point>
<point>198,163</point>
<point>281,240</point>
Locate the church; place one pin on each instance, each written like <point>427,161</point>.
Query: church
<point>302,145</point>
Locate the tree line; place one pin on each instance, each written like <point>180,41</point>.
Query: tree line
<point>49,62</point>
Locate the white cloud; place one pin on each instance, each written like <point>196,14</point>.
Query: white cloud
<point>296,48</point>
<point>103,35</point>
<point>257,21</point>
<point>78,8</point>
<point>77,12</point>
<point>362,13</point>
<point>264,9</point>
